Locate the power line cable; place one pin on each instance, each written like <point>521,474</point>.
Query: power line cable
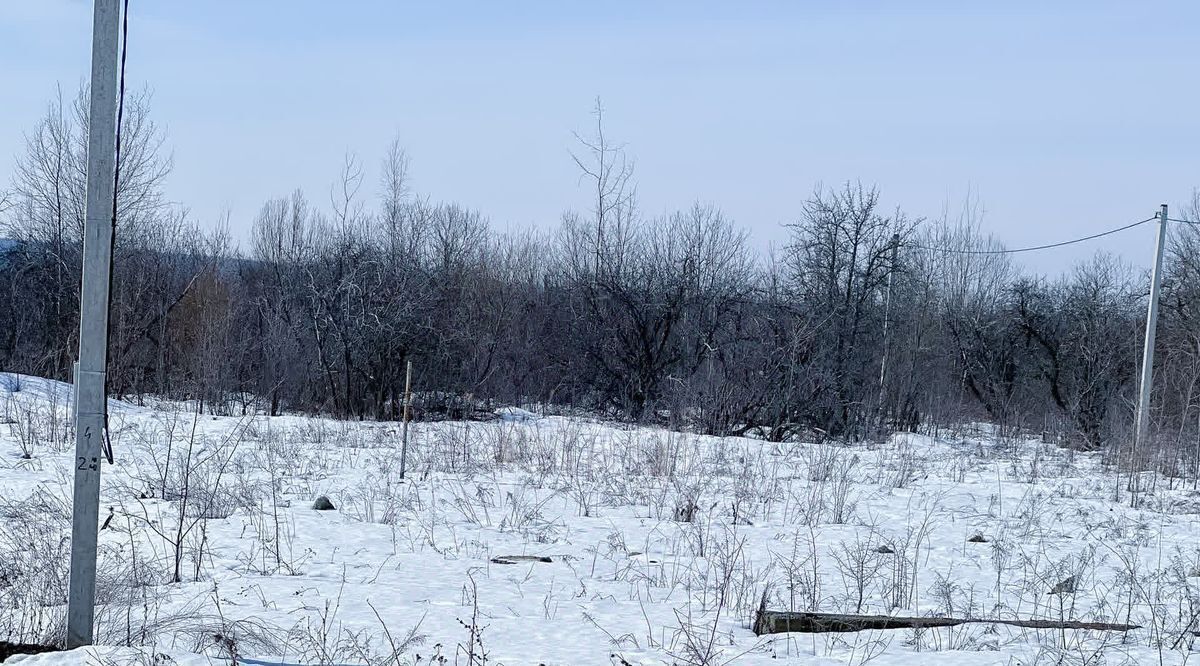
<point>1036,247</point>
<point>108,450</point>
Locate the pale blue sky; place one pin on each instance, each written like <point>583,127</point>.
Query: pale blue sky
<point>1065,117</point>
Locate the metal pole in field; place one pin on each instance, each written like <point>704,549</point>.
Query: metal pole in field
<point>1143,412</point>
<point>404,427</point>
<point>93,322</point>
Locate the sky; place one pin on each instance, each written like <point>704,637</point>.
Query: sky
<point>1061,118</point>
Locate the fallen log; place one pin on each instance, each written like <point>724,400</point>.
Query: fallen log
<point>778,622</point>
<point>514,559</point>
<point>9,649</point>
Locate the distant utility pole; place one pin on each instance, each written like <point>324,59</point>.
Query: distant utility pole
<point>90,391</point>
<point>887,315</point>
<point>1143,412</point>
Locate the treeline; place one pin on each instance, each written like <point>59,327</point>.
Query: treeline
<point>866,321</point>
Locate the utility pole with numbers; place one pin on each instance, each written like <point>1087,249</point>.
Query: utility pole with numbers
<point>91,398</point>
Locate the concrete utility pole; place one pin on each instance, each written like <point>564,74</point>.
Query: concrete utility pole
<point>887,316</point>
<point>91,405</point>
<point>1143,412</point>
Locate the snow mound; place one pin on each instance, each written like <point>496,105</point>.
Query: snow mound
<point>516,414</point>
<point>36,387</point>
<point>50,391</point>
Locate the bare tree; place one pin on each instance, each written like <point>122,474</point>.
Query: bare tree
<point>609,173</point>
<point>839,259</point>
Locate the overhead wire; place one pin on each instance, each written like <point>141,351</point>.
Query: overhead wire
<point>1033,248</point>
<point>107,443</point>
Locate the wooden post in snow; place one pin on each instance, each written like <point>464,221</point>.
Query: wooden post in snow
<point>405,418</point>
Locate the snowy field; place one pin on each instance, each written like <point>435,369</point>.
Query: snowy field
<point>661,545</point>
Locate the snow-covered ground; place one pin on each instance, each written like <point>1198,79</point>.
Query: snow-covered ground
<point>661,545</point>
